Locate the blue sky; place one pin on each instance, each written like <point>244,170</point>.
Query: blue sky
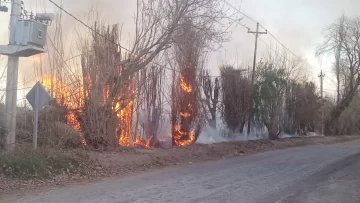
<point>296,23</point>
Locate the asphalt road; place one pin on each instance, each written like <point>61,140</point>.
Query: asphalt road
<point>325,173</point>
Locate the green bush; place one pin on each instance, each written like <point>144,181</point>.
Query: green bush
<point>34,165</point>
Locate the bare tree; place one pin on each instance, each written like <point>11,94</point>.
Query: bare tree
<point>189,53</point>
<point>343,39</point>
<point>340,40</point>
<point>211,90</point>
<point>108,90</point>
<point>151,102</point>
<point>158,21</point>
<point>98,116</point>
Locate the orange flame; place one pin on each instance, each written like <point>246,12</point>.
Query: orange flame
<point>185,115</point>
<point>125,127</point>
<point>143,143</point>
<point>62,95</point>
<point>179,134</point>
<point>124,110</point>
<point>125,116</point>
<point>186,87</point>
<point>183,137</point>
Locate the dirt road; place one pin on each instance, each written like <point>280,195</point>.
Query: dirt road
<point>324,173</point>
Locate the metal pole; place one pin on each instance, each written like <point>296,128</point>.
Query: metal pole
<point>12,79</point>
<point>321,76</point>
<point>36,117</point>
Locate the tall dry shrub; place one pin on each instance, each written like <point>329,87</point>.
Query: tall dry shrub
<point>236,90</point>
<point>100,72</point>
<point>302,105</point>
<point>185,107</point>
<point>211,90</point>
<point>150,101</point>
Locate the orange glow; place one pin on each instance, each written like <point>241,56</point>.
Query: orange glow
<point>183,136</point>
<point>73,100</point>
<point>36,59</point>
<point>143,143</point>
<point>63,96</point>
<point>185,115</point>
<point>125,127</point>
<point>125,116</point>
<point>186,87</point>
<point>179,134</point>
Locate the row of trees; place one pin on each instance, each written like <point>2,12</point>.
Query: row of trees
<point>118,96</point>
<point>286,104</point>
<point>342,39</point>
<point>121,91</point>
<point>281,104</point>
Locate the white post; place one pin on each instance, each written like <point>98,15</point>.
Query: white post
<point>321,76</point>
<point>12,79</point>
<point>36,117</point>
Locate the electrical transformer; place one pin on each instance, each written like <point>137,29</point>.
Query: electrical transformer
<point>29,32</point>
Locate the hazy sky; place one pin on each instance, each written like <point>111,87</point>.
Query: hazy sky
<point>296,23</point>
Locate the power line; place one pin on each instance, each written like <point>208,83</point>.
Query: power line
<point>277,40</point>
<point>230,5</point>
<point>286,58</point>
<point>89,27</point>
<point>283,55</point>
<point>273,36</point>
<point>250,18</point>
<point>257,34</point>
<point>92,29</point>
<point>236,9</point>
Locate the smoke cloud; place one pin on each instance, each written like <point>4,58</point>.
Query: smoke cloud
<point>210,135</point>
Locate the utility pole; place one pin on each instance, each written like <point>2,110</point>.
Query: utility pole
<point>28,40</point>
<point>321,76</point>
<point>12,79</point>
<point>257,33</point>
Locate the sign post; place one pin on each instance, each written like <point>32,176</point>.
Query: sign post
<point>38,98</point>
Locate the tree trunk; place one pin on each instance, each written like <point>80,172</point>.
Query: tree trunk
<point>212,122</point>
<point>273,133</point>
<point>242,124</point>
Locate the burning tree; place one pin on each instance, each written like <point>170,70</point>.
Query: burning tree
<point>58,123</point>
<point>103,118</point>
<point>157,26</point>
<point>111,76</point>
<point>185,93</point>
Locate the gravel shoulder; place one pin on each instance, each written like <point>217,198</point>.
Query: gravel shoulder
<point>338,182</point>
<point>129,162</point>
<point>261,177</point>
